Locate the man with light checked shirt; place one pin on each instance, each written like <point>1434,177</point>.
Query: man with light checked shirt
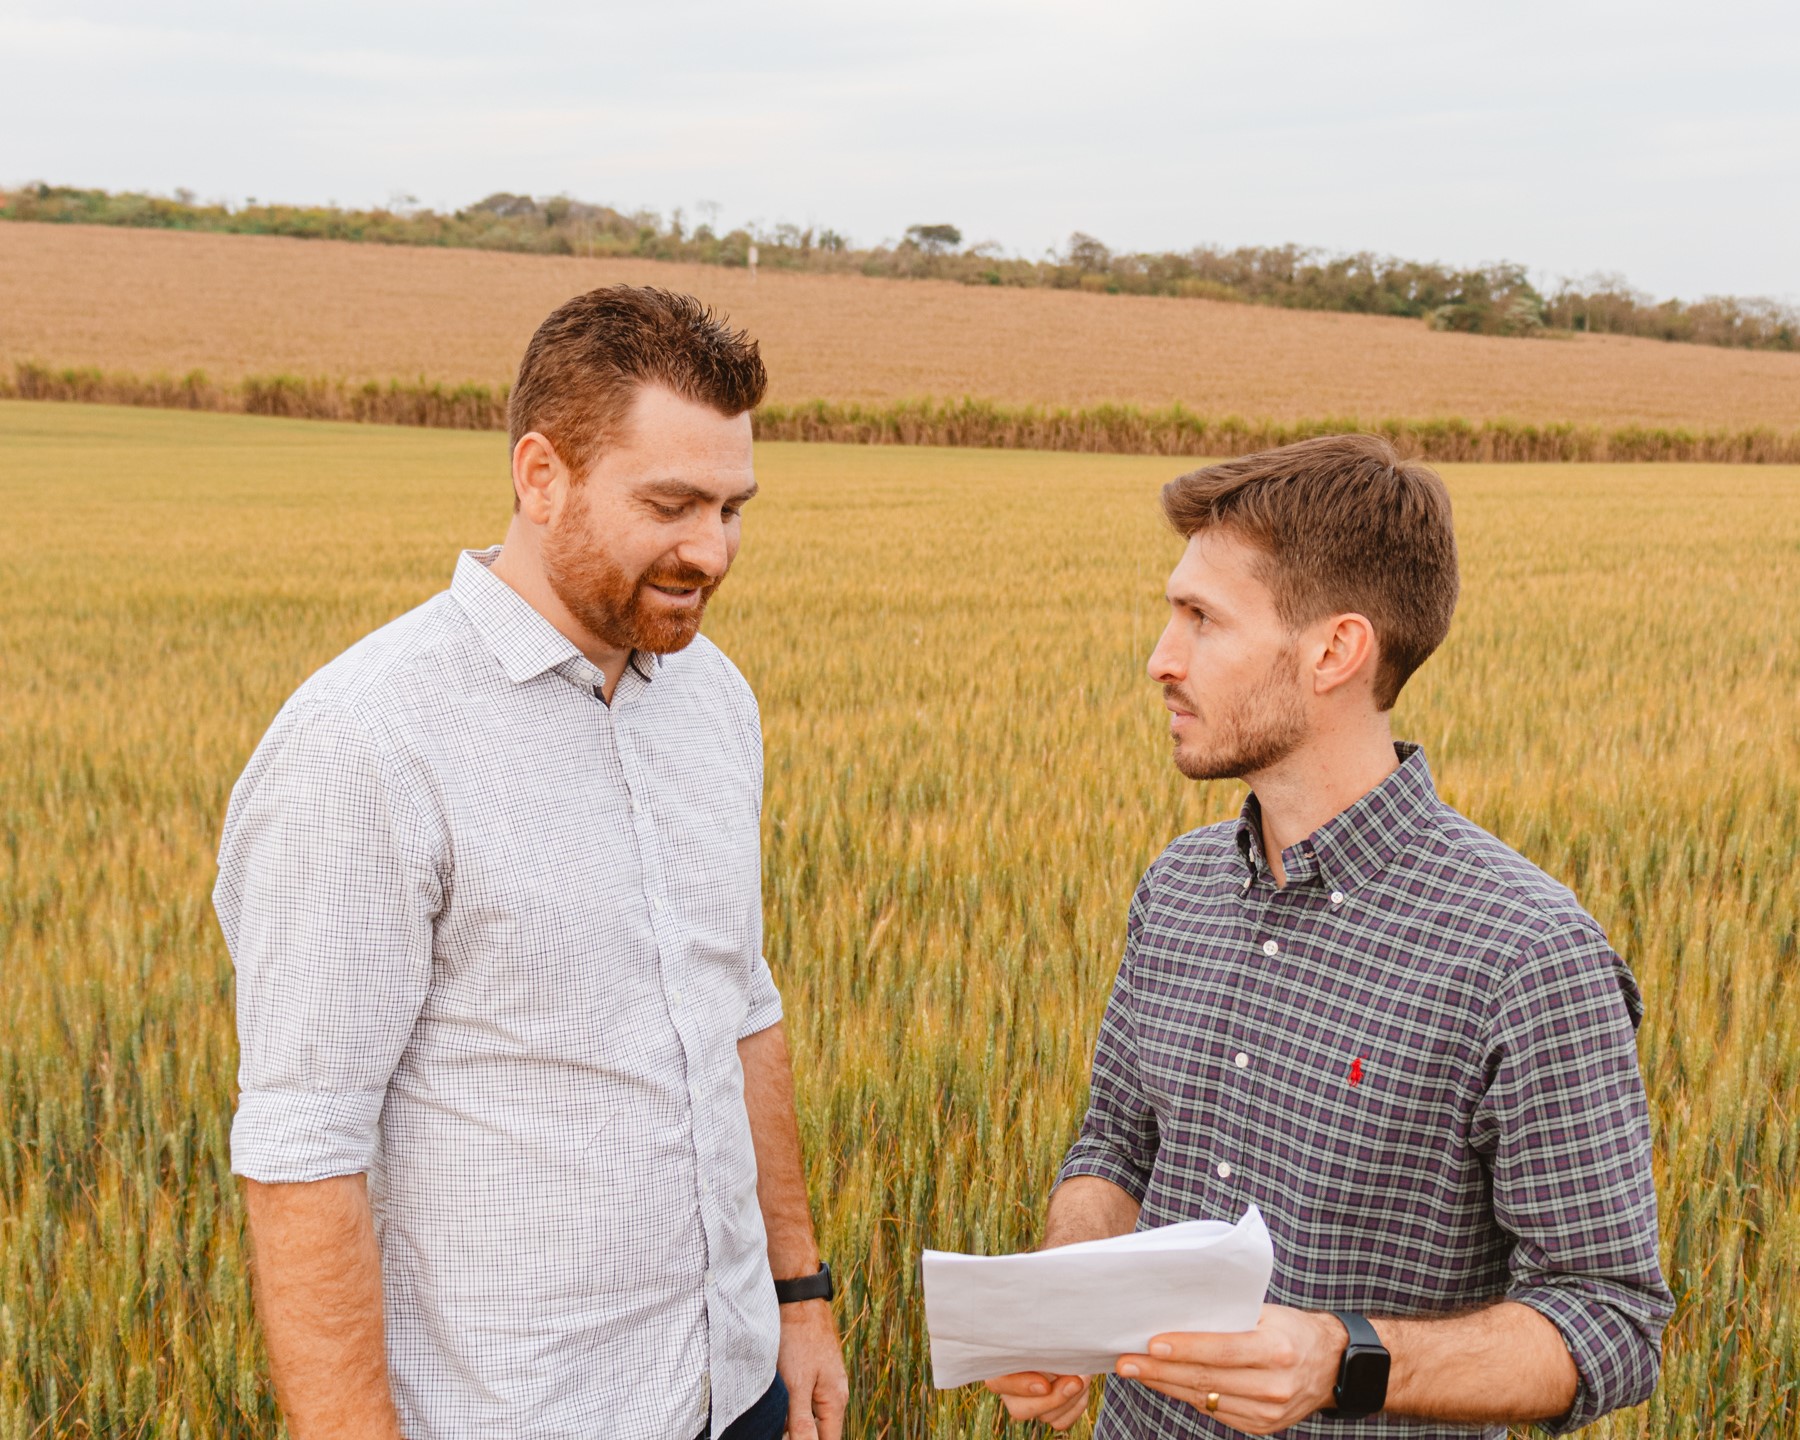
<point>517,1121</point>
<point>1355,1010</point>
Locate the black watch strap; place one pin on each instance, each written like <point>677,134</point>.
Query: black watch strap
<point>807,1287</point>
<point>1363,1373</point>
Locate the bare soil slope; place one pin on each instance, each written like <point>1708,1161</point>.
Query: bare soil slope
<point>146,301</point>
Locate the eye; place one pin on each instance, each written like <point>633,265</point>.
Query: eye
<point>668,512</point>
<point>732,511</point>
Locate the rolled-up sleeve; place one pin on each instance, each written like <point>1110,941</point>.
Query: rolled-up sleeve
<point>328,887</point>
<point>1118,1139</point>
<point>1565,1127</point>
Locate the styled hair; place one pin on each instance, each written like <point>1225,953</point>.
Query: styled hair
<point>1344,525</point>
<point>589,359</point>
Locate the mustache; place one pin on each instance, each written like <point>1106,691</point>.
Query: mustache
<point>682,577</point>
<point>1181,698</point>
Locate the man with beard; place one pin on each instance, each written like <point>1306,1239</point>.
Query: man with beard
<point>1351,1008</point>
<point>517,1117</point>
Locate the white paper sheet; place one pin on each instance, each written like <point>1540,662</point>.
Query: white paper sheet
<point>1076,1310</point>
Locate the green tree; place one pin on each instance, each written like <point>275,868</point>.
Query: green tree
<point>934,239</point>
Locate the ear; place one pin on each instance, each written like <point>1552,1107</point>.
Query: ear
<point>1347,651</point>
<point>539,477</point>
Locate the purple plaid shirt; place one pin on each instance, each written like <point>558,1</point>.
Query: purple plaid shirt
<point>1417,1059</point>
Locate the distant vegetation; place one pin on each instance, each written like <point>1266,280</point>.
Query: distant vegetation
<point>1489,300</point>
<point>968,422</point>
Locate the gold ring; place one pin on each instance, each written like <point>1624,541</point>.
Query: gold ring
<point>1212,1402</point>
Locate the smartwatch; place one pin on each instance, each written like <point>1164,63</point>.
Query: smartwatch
<point>813,1287</point>
<point>1362,1381</point>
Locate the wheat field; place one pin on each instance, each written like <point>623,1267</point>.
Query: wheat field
<point>966,774</point>
<point>147,301</point>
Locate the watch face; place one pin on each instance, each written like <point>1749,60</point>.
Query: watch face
<point>1364,1379</point>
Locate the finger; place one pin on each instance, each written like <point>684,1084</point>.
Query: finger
<point>1224,1352</point>
<point>800,1423</point>
<point>1235,1411</point>
<point>1246,1384</point>
<point>1033,1409</point>
<point>831,1400</point>
<point>1021,1383</point>
<point>1070,1394</point>
<point>1065,1417</point>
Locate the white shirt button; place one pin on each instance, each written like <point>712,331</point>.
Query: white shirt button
<point>658,903</point>
<point>1337,897</point>
<point>1271,948</point>
<point>1224,1170</point>
<point>1243,1060</point>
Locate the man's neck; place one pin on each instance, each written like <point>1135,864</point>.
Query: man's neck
<point>519,565</point>
<point>1317,783</point>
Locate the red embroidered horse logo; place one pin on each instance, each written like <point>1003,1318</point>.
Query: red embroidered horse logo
<point>1356,1071</point>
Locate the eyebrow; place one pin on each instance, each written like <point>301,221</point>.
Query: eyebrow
<point>1189,600</point>
<point>684,490</point>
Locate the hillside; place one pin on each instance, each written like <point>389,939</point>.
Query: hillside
<point>145,301</point>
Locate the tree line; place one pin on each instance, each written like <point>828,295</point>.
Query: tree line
<point>1496,299</point>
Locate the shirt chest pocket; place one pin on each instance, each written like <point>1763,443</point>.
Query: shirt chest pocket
<point>1182,1058</point>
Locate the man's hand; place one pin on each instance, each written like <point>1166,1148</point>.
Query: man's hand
<point>1266,1379</point>
<point>1058,1400</point>
<point>812,1367</point>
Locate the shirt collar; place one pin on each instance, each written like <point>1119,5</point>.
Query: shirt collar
<point>521,639</point>
<point>1356,845</point>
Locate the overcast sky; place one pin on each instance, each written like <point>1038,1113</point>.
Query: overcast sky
<point>1660,141</point>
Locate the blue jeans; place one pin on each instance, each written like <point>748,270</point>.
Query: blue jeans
<point>765,1420</point>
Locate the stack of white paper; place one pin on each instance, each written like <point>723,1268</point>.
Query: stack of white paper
<point>1076,1310</point>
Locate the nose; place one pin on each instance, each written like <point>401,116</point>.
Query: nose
<point>1166,667</point>
<point>707,546</point>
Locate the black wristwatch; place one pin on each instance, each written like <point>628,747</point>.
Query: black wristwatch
<point>1362,1374</point>
<point>812,1287</point>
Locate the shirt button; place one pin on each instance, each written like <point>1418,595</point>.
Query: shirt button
<point>1224,1170</point>
<point>1243,1060</point>
<point>657,903</point>
<point>1337,897</point>
<point>1271,948</point>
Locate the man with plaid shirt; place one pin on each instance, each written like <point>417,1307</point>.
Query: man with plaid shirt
<point>1354,1009</point>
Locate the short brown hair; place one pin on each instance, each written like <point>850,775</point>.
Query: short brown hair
<point>1347,525</point>
<point>591,356</point>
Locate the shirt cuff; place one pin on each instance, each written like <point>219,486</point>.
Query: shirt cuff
<point>1091,1156</point>
<point>287,1137</point>
<point>1616,1366</point>
<point>762,1015</point>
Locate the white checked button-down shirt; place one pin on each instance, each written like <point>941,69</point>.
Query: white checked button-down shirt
<point>496,943</point>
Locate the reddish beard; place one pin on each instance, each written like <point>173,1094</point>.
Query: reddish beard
<point>613,606</point>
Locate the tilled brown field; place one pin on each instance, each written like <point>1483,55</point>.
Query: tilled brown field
<point>147,301</point>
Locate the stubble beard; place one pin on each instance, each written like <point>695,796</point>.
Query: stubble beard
<point>615,607</point>
<point>1265,726</point>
